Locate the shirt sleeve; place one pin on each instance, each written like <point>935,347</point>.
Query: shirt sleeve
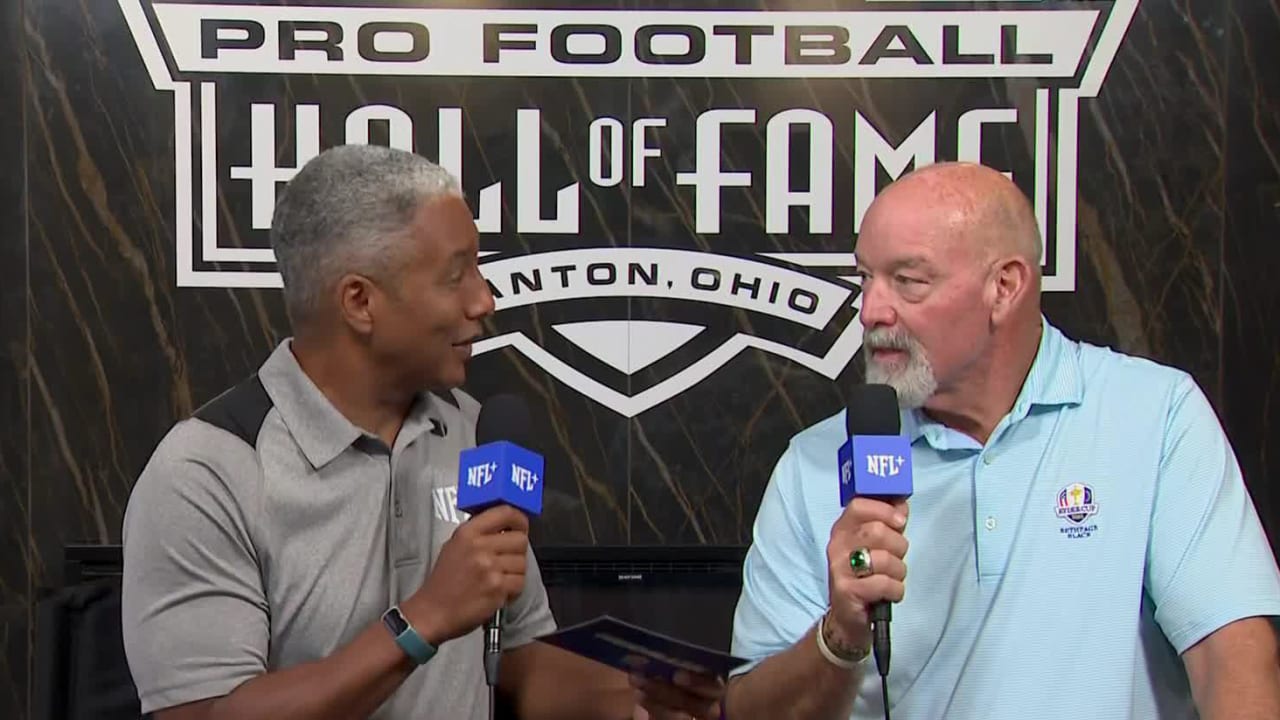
<point>529,615</point>
<point>1208,559</point>
<point>784,576</point>
<point>195,618</point>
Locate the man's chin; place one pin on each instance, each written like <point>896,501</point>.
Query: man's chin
<point>882,374</point>
<point>909,395</point>
<point>457,378</point>
<point>448,378</point>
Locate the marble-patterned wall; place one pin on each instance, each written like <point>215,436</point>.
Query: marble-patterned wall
<point>1250,295</point>
<point>14,471</point>
<point>1179,248</point>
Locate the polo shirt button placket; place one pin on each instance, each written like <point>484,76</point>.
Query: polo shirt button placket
<point>988,457</point>
<point>988,519</point>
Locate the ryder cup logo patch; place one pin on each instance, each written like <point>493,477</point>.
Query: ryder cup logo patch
<point>1076,504</point>
<point>656,190</point>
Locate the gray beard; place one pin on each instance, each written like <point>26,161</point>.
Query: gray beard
<point>915,382</point>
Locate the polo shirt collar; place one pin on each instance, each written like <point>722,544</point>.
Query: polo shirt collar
<point>1055,379</point>
<point>319,429</point>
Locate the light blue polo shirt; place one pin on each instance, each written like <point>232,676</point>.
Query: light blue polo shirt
<point>1055,573</point>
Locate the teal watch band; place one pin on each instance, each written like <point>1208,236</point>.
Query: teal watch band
<point>413,644</point>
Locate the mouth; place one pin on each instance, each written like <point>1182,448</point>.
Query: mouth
<point>464,346</point>
<point>888,355</point>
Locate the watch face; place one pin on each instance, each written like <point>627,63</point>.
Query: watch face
<point>395,622</point>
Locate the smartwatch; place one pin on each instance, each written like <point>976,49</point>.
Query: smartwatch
<point>413,644</point>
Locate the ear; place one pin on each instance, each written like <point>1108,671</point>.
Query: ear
<point>1013,280</point>
<point>357,297</point>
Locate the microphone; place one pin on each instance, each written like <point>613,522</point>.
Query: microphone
<point>875,462</point>
<point>497,471</point>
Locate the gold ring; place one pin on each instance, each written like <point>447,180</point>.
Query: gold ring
<point>860,561</point>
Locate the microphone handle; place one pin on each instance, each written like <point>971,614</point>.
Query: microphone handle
<point>492,648</point>
<point>881,614</point>
<point>881,611</point>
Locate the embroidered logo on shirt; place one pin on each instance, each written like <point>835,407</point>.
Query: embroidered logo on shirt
<point>444,501</point>
<point>1076,504</point>
<point>438,428</point>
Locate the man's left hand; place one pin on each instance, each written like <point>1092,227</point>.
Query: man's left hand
<point>687,697</point>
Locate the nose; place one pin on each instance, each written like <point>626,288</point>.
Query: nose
<point>876,305</point>
<point>480,304</point>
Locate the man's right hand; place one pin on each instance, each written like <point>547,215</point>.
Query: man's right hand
<point>878,526</point>
<point>479,570</point>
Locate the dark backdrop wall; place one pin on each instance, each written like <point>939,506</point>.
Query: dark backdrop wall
<point>1176,258</point>
<point>14,469</point>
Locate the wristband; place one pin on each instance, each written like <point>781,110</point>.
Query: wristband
<point>846,663</point>
<point>413,644</point>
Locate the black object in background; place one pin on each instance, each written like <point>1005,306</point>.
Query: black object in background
<point>687,592</point>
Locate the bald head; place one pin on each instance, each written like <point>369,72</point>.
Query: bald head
<point>949,261</point>
<point>973,204</point>
<point>949,257</point>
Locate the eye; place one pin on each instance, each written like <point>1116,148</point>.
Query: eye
<point>907,280</point>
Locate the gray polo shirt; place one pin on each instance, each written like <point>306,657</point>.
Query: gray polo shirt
<point>268,531</point>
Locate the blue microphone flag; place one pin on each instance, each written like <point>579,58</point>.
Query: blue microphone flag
<point>875,460</point>
<point>500,472</point>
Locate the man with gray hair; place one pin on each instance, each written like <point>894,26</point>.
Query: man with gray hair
<point>294,549</point>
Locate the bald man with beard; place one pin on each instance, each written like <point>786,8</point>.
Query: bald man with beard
<point>1082,542</point>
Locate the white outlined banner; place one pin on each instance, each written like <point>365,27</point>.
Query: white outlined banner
<point>1043,43</point>
<point>1019,69</point>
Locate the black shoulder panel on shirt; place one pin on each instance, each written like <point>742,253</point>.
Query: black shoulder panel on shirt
<point>240,410</point>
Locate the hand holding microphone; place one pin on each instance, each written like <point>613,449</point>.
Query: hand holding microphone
<point>866,551</point>
<point>481,568</point>
<point>858,582</point>
<point>499,472</point>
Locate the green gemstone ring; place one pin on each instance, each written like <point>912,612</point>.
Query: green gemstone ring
<point>860,561</point>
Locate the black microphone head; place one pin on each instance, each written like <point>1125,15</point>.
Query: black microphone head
<point>504,417</point>
<point>873,410</point>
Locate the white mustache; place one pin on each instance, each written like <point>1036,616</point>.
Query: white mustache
<point>888,340</point>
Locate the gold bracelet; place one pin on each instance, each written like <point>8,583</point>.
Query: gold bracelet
<point>848,663</point>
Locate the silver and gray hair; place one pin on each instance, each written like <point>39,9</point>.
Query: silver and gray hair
<point>348,210</point>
